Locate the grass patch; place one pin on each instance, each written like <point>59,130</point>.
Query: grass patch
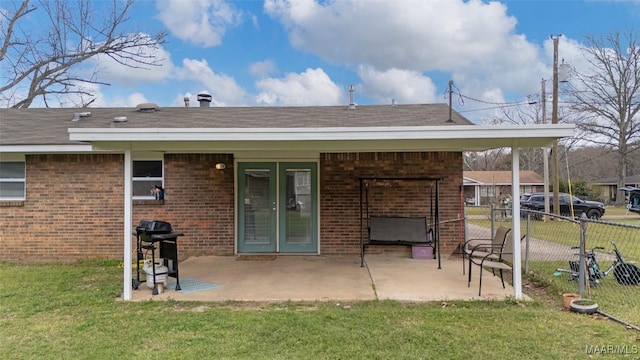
<point>51,311</point>
<point>612,297</point>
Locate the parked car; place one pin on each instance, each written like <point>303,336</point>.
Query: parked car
<point>592,209</point>
<point>632,195</point>
<point>524,197</point>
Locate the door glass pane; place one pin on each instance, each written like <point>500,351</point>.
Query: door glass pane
<point>298,209</point>
<point>257,206</point>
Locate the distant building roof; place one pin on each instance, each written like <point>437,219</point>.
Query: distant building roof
<point>629,180</point>
<point>527,177</point>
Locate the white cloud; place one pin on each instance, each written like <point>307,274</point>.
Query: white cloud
<point>120,100</point>
<point>200,22</point>
<point>262,68</point>
<point>403,86</point>
<point>312,87</point>
<point>409,34</point>
<point>112,71</point>
<point>474,41</point>
<point>223,88</point>
<point>98,100</point>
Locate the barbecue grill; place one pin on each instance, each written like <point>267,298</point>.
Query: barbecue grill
<point>151,235</point>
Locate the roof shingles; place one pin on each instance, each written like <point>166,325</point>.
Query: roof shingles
<point>48,126</point>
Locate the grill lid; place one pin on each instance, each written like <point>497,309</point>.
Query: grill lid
<point>154,226</point>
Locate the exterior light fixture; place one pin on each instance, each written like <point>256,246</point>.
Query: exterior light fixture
<point>221,166</point>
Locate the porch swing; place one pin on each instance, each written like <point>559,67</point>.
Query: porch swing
<point>383,229</point>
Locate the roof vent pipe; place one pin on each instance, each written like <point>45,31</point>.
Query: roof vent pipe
<point>352,104</point>
<point>204,99</point>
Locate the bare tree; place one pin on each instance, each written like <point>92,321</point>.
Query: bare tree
<point>607,96</point>
<point>48,63</point>
<point>488,160</point>
<point>523,114</point>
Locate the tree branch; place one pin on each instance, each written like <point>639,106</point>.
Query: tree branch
<point>46,64</point>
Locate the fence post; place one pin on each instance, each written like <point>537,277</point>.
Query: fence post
<point>583,263</point>
<point>526,244</point>
<point>492,218</point>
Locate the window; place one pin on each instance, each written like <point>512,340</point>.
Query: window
<point>526,188</point>
<point>146,175</point>
<point>487,191</point>
<point>12,180</point>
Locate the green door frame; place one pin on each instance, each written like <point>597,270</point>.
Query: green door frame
<point>257,215</point>
<point>275,222</point>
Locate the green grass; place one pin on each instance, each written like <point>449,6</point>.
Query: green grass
<point>568,233</point>
<point>53,311</point>
<point>609,211</point>
<point>615,299</point>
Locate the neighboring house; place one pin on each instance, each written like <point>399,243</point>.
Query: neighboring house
<point>280,180</point>
<point>484,187</point>
<point>608,187</point>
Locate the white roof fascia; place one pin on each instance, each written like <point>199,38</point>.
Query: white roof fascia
<point>46,149</point>
<point>322,134</point>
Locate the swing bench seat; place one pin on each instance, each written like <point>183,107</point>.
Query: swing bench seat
<point>394,230</point>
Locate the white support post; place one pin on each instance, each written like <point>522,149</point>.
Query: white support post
<point>515,226</point>
<point>128,225</point>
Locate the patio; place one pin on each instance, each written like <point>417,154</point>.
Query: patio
<point>394,276</point>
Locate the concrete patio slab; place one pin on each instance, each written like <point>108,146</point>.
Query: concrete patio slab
<point>394,276</point>
<point>405,279</point>
<point>271,278</point>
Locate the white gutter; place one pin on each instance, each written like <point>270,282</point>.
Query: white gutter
<point>46,149</point>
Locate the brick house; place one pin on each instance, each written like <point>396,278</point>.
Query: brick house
<point>74,182</point>
<point>484,187</point>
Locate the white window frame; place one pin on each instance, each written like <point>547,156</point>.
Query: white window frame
<point>23,179</point>
<point>147,157</point>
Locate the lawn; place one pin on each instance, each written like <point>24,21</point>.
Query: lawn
<point>622,301</point>
<point>53,311</point>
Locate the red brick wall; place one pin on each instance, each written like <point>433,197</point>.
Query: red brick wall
<point>340,194</point>
<point>74,205</point>
<point>199,203</point>
<point>73,209</point>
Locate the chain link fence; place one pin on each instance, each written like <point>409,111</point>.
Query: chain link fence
<point>597,260</point>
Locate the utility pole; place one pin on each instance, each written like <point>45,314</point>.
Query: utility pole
<point>450,102</point>
<point>554,120</point>
<point>545,150</point>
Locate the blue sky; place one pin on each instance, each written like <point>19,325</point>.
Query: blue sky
<point>306,52</point>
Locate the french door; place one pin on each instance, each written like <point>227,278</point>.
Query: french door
<point>277,207</point>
